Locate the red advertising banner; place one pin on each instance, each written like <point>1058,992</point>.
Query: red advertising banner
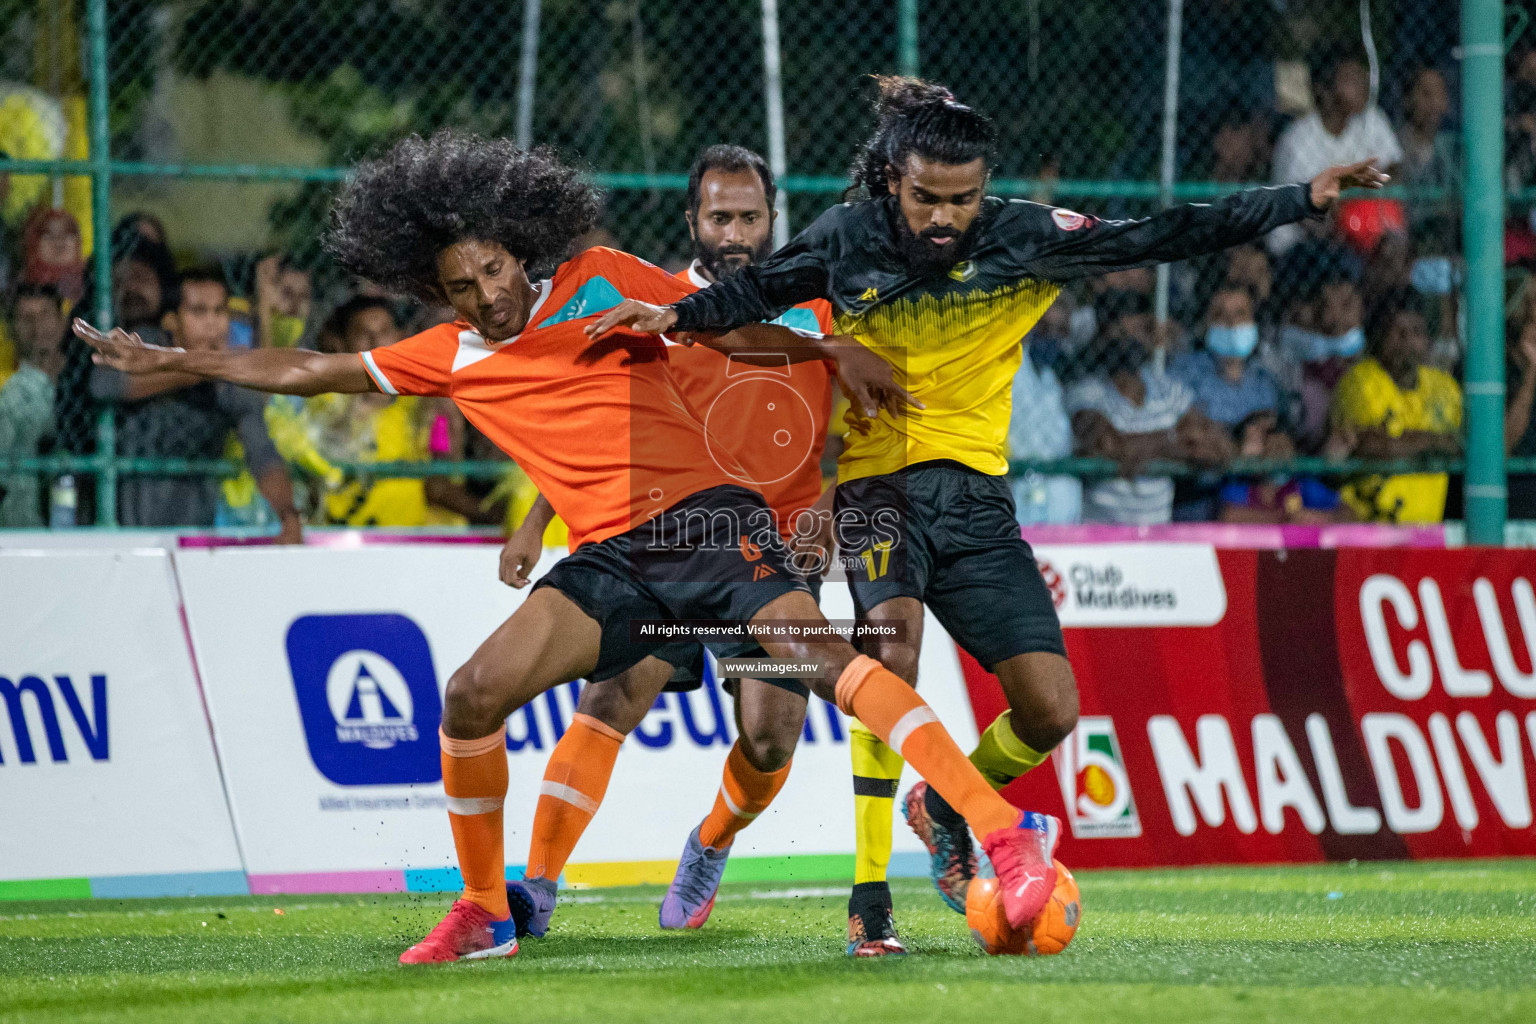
<point>1353,703</point>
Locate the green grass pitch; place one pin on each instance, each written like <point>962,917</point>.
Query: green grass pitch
<point>1331,944</point>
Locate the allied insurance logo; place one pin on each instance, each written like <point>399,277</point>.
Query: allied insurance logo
<point>368,697</point>
<point>1094,784</point>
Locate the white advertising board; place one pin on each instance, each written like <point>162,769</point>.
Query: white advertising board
<point>325,671</point>
<point>107,772</point>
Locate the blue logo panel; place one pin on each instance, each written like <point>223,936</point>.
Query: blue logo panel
<point>368,698</point>
<point>596,296</point>
<point>799,318</point>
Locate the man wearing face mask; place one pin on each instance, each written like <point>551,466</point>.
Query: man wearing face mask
<point>1229,386</point>
<point>1133,412</point>
<point>1322,348</point>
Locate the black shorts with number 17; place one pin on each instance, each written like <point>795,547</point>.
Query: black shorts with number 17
<point>715,555</point>
<point>947,535</point>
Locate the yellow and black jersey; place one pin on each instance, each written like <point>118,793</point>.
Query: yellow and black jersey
<point>954,338</point>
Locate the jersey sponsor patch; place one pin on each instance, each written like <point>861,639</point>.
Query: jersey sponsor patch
<point>1067,220</point>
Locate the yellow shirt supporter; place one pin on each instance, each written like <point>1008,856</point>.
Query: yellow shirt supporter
<point>1368,398</point>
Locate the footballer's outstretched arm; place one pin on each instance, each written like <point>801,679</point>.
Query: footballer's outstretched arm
<point>1059,245</point>
<point>283,371</point>
<point>868,380</point>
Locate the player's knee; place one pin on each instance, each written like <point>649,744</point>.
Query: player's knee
<point>472,701</point>
<point>768,746</point>
<point>900,658</point>
<point>1044,731</point>
<point>613,705</point>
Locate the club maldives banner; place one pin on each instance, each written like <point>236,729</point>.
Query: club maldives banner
<point>1266,706</point>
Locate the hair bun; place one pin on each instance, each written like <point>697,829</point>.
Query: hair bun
<point>901,95</point>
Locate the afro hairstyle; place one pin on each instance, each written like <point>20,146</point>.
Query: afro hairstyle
<point>400,209</point>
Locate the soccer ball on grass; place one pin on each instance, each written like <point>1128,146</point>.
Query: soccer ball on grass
<point>1050,931</point>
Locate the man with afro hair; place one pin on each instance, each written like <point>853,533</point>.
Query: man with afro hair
<point>659,529</point>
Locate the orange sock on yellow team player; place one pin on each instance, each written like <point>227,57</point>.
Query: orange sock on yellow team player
<point>744,793</point>
<point>574,784</point>
<point>893,711</point>
<point>475,779</point>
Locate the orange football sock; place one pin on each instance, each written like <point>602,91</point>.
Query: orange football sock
<point>475,779</point>
<point>893,711</point>
<point>574,784</point>
<point>744,793</point>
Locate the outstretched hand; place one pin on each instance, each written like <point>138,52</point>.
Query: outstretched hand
<point>634,315</point>
<point>123,350</point>
<point>1327,186</point>
<point>870,382</point>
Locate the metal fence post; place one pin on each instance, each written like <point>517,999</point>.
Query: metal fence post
<point>906,33</point>
<point>528,73</point>
<point>101,220</point>
<point>773,94</point>
<point>1169,168</point>
<point>1482,64</point>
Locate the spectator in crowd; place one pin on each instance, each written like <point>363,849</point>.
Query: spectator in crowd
<point>1231,388</point>
<point>178,416</point>
<point>1345,128</point>
<point>131,228</point>
<point>1325,339</point>
<point>1238,147</point>
<point>380,428</point>
<point>1519,431</point>
<point>26,399</point>
<point>143,278</point>
<point>1397,406</point>
<point>1429,151</point>
<point>1131,412</point>
<point>284,297</point>
<point>51,253</point>
<point>1040,430</point>
<point>1050,343</point>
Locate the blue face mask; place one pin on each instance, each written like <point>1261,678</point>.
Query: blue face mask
<point>1312,347</point>
<point>1232,342</point>
<point>1432,275</point>
<point>1349,344</point>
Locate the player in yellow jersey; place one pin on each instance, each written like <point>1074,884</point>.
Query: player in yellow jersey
<point>944,281</point>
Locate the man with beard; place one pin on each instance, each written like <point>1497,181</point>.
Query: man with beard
<point>943,281</point>
<point>773,419</point>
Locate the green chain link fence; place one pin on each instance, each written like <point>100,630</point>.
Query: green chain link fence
<point>230,123</point>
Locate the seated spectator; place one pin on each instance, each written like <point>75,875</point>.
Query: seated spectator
<point>1344,129</point>
<point>1131,412</point>
<point>1398,407</point>
<point>1430,157</point>
<point>1237,147</point>
<point>51,253</point>
<point>1320,347</point>
<point>1039,430</point>
<point>1228,384</point>
<point>178,416</point>
<point>380,428</point>
<point>284,297</point>
<point>1519,431</point>
<point>26,399</point>
<point>1049,343</point>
